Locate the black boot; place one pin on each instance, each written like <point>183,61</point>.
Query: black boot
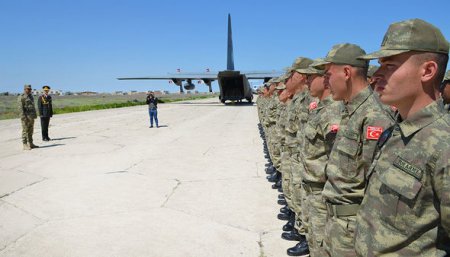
<point>277,185</point>
<point>282,202</point>
<point>290,224</point>
<point>281,196</point>
<point>285,209</point>
<point>284,216</point>
<point>293,235</point>
<point>274,177</point>
<point>270,170</point>
<point>300,249</point>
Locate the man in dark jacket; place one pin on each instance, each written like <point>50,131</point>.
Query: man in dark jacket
<point>152,102</point>
<point>45,111</point>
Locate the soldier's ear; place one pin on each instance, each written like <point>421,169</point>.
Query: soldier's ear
<point>347,72</point>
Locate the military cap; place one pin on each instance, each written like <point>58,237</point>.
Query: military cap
<point>312,69</point>
<point>410,35</point>
<point>46,87</point>
<point>447,76</point>
<point>372,69</point>
<point>300,63</point>
<point>280,86</point>
<point>346,54</point>
<point>27,86</point>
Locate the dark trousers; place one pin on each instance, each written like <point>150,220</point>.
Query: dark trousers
<point>45,121</point>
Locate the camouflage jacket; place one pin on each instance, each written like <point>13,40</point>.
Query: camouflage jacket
<point>303,110</point>
<point>362,122</point>
<point>281,124</point>
<point>406,209</point>
<point>26,106</point>
<point>293,114</point>
<point>320,133</point>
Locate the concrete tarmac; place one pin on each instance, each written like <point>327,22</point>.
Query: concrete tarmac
<point>108,185</point>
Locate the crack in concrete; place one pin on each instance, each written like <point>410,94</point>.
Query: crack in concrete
<point>261,246</point>
<point>211,220</point>
<point>22,236</point>
<point>171,193</point>
<point>26,186</point>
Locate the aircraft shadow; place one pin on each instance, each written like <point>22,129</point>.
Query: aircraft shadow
<point>62,138</point>
<point>47,146</point>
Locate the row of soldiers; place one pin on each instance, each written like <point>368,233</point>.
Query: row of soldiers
<point>363,159</point>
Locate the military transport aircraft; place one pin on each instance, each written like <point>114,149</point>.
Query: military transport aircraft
<point>233,84</point>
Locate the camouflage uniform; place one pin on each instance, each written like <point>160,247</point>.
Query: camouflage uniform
<point>272,118</point>
<point>320,132</point>
<point>363,119</point>
<point>406,209</point>
<point>302,107</point>
<point>291,149</point>
<point>27,114</point>
<point>409,190</point>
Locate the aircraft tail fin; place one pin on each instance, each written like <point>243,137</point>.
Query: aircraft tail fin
<point>230,58</point>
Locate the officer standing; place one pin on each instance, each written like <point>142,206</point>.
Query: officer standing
<point>45,109</point>
<point>152,102</point>
<point>406,207</point>
<point>27,114</point>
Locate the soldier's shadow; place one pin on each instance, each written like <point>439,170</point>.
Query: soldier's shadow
<point>47,146</point>
<point>62,138</point>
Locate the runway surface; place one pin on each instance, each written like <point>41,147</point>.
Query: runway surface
<point>108,185</point>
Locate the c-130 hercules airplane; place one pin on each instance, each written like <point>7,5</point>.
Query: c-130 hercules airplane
<point>233,85</point>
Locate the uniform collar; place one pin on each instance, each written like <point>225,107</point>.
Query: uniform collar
<point>359,99</point>
<point>326,101</point>
<point>420,119</point>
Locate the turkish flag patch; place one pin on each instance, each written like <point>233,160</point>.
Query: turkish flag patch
<point>373,132</point>
<point>334,128</point>
<point>312,106</point>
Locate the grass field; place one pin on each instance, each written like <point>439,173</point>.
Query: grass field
<point>77,103</point>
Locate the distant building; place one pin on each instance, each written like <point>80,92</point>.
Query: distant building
<point>51,92</point>
<point>87,93</point>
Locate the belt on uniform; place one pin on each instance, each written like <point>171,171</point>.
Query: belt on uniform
<point>341,210</point>
<point>311,187</point>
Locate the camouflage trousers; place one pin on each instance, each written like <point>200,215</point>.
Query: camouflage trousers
<point>297,196</point>
<point>275,154</point>
<point>315,224</point>
<point>27,130</point>
<point>286,177</point>
<point>339,236</point>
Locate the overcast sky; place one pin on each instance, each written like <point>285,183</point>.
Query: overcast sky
<point>86,44</point>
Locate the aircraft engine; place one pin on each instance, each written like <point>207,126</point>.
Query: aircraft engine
<point>189,86</point>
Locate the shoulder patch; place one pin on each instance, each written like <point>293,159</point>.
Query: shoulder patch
<point>373,133</point>
<point>312,106</point>
<point>334,128</point>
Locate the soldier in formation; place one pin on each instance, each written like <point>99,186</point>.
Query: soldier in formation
<point>361,154</point>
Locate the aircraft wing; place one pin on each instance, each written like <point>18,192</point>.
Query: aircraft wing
<point>178,76</point>
<point>263,74</point>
